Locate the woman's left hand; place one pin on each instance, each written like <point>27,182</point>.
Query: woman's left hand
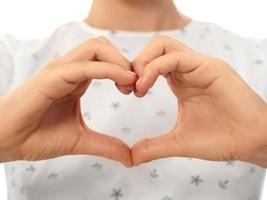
<point>220,117</point>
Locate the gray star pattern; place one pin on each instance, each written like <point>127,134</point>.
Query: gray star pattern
<point>154,174</point>
<point>116,194</point>
<point>223,184</point>
<point>183,31</point>
<point>126,51</point>
<point>149,92</point>
<point>115,105</point>
<point>113,32</point>
<point>52,176</point>
<point>196,180</point>
<point>227,47</point>
<point>96,83</point>
<point>31,168</point>
<point>125,130</point>
<point>230,163</point>
<point>35,57</point>
<point>97,166</point>
<point>252,170</point>
<point>160,113</point>
<point>207,29</point>
<point>22,190</point>
<point>166,198</point>
<point>258,61</point>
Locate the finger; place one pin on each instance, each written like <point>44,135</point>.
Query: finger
<point>181,65</point>
<point>156,148</point>
<point>81,88</point>
<point>62,81</point>
<point>75,72</point>
<point>157,47</point>
<point>125,89</point>
<point>124,61</point>
<point>97,49</point>
<point>93,143</point>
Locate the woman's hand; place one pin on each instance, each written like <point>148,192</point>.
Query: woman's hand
<point>42,119</point>
<point>220,116</point>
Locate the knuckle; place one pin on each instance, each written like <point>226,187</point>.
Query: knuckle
<point>127,66</point>
<point>109,72</point>
<point>93,41</point>
<point>162,38</point>
<point>141,61</point>
<point>102,38</point>
<point>134,67</point>
<point>146,154</point>
<point>51,64</point>
<point>218,63</point>
<point>147,68</point>
<point>223,64</point>
<point>116,69</point>
<point>152,66</point>
<point>134,63</point>
<point>54,63</point>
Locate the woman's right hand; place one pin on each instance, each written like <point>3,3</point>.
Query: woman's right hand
<point>220,117</point>
<point>41,119</point>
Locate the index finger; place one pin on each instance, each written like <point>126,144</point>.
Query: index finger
<point>157,47</point>
<point>96,49</point>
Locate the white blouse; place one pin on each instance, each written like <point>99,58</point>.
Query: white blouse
<point>130,119</point>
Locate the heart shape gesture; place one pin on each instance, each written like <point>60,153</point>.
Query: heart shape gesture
<point>212,123</point>
<point>220,116</point>
<point>48,123</point>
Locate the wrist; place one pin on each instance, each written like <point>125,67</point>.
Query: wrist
<point>7,150</point>
<point>261,156</point>
<point>265,126</point>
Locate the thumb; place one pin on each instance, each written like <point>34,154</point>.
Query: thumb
<point>97,144</point>
<point>162,146</point>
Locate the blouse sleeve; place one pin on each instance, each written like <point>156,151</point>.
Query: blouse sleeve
<point>8,46</point>
<point>263,63</point>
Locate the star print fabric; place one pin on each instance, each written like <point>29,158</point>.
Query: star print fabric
<point>130,119</point>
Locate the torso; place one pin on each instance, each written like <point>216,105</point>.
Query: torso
<point>130,118</point>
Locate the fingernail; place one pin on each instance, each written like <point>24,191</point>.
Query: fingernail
<point>132,73</point>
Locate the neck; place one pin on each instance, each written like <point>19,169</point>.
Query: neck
<point>136,15</point>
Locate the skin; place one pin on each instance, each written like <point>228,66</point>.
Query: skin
<point>158,15</point>
<point>43,118</point>
<point>212,124</point>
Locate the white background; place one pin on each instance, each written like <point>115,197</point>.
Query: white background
<point>36,18</point>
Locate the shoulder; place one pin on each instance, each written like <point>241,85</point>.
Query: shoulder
<point>12,44</point>
<point>218,41</point>
<point>248,56</point>
<point>222,36</point>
